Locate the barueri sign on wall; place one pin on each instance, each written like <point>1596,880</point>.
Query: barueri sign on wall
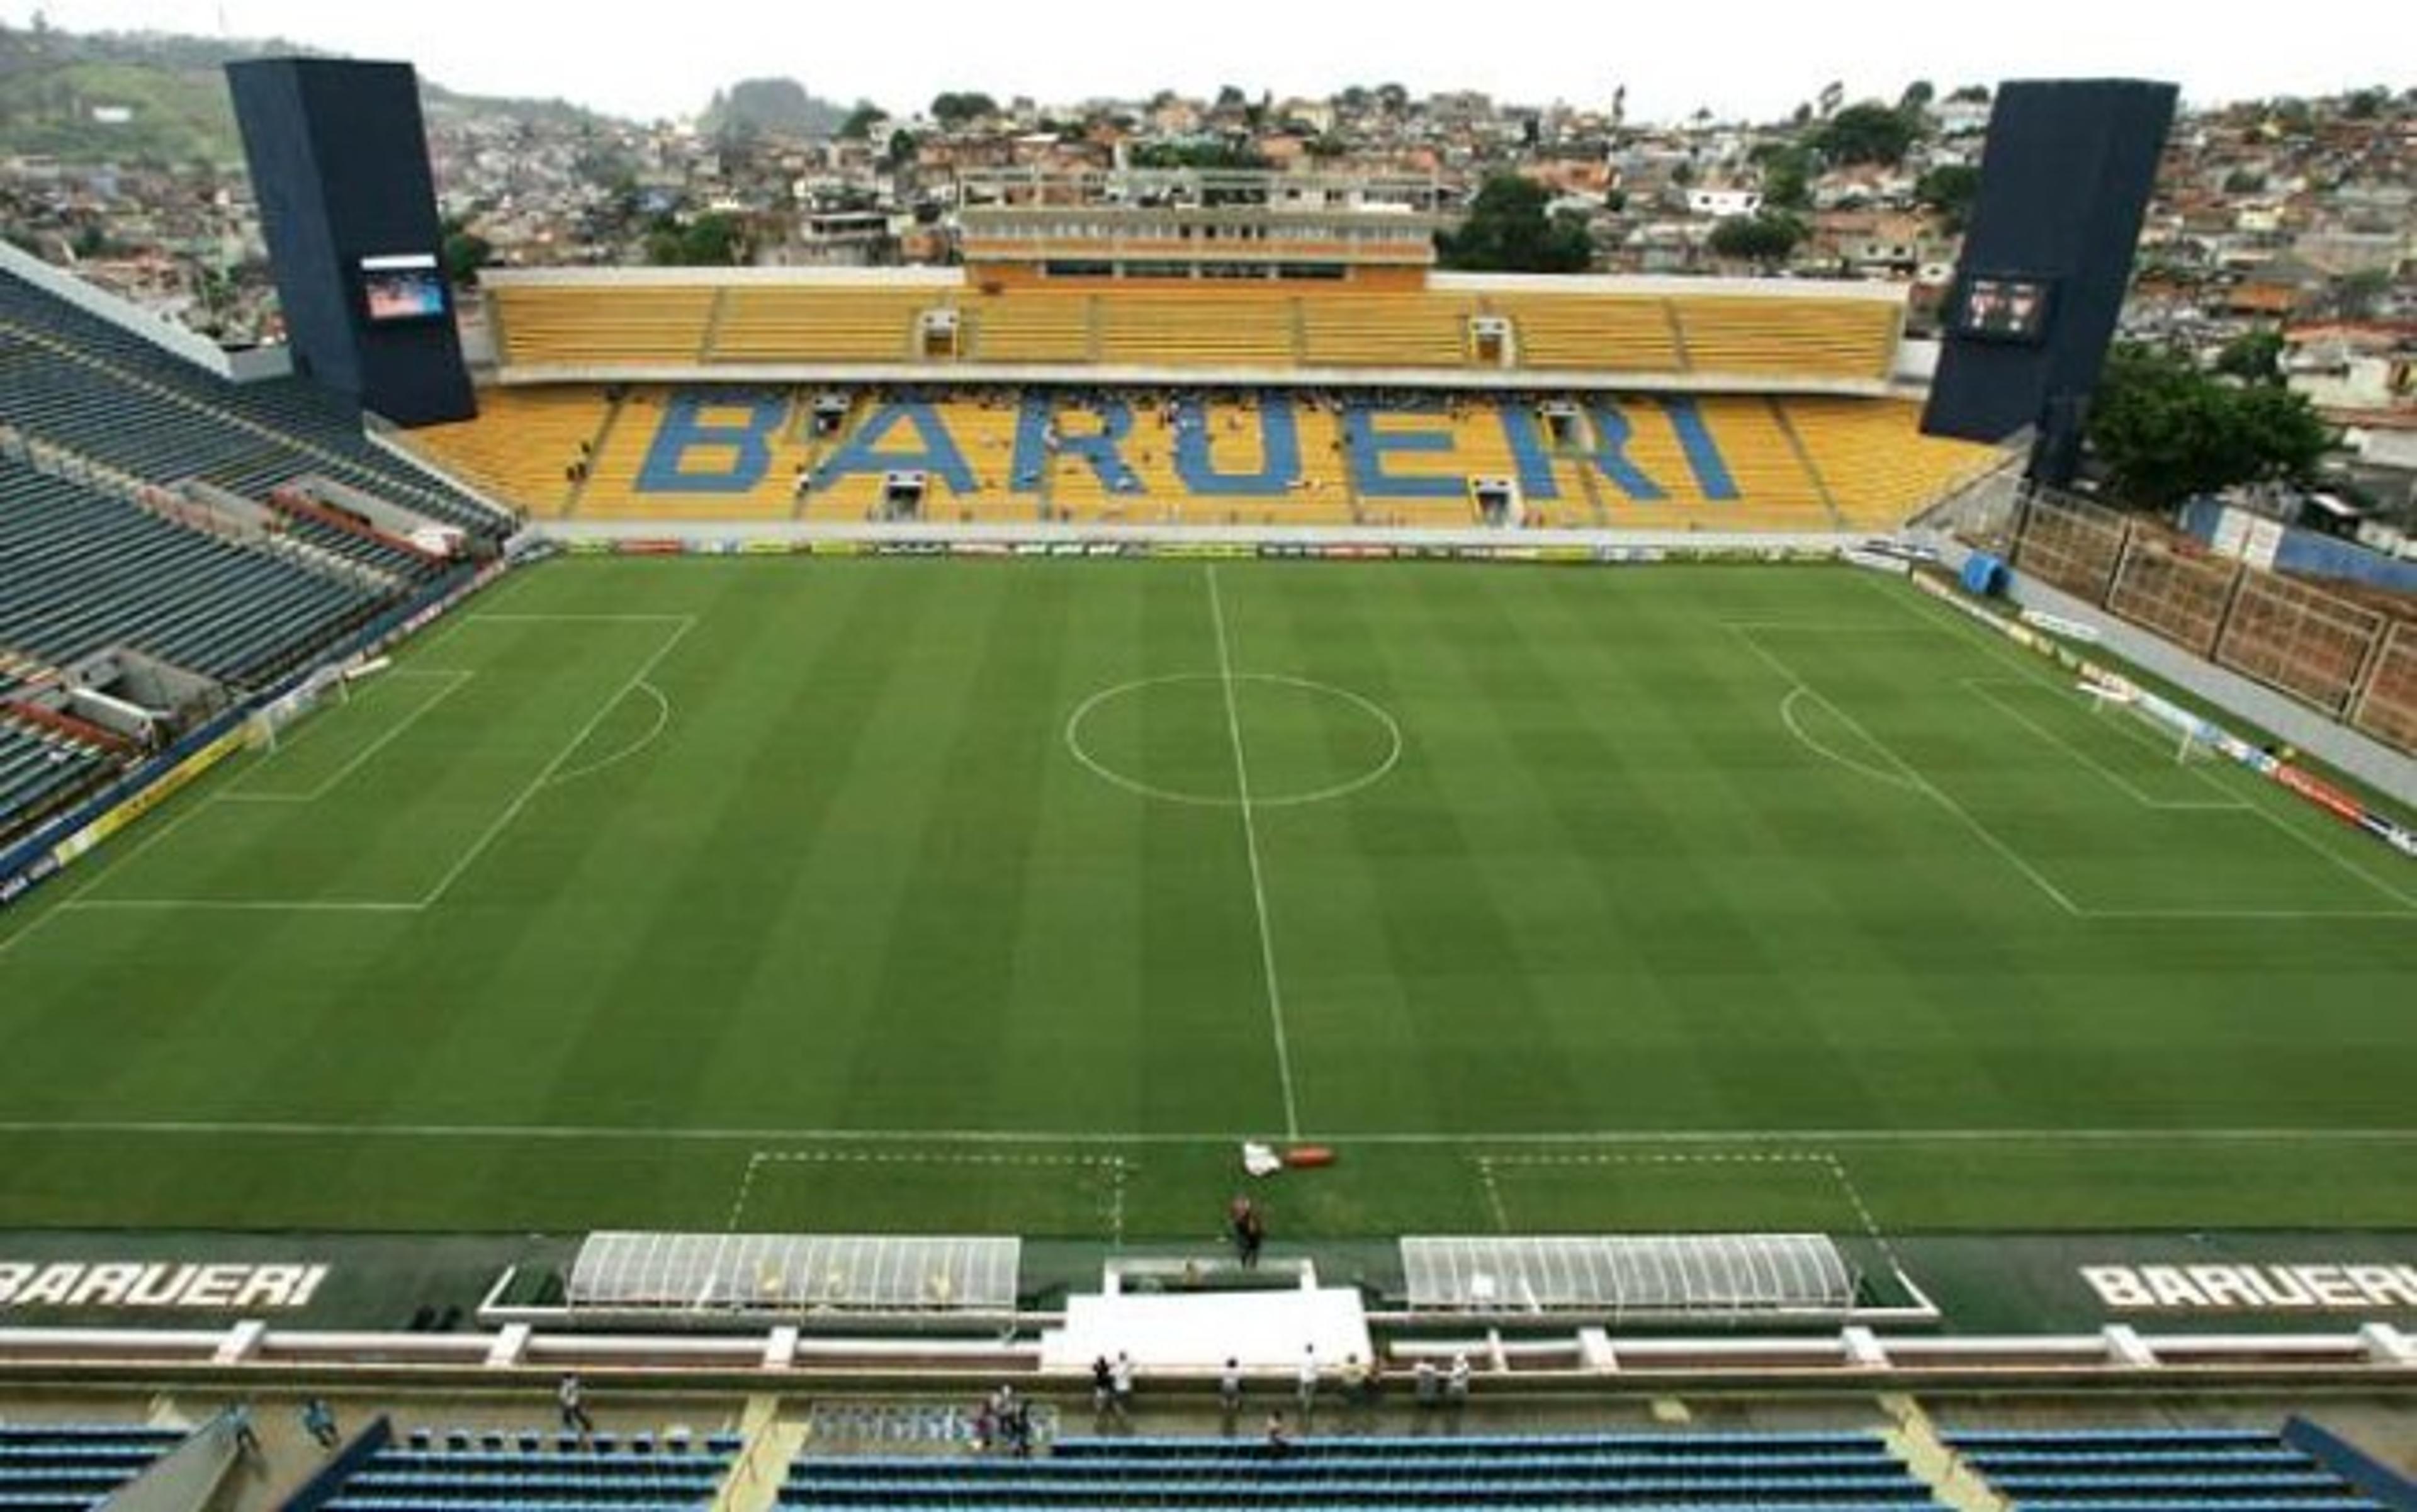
<point>155,1285</point>
<point>2253,1288</point>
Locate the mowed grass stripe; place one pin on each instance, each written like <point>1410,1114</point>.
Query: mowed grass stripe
<point>858,883</point>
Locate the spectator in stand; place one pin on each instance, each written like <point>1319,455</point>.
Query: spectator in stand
<point>319,1421</point>
<point>573,1400</point>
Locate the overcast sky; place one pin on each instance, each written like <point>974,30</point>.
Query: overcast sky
<point>1740,58</point>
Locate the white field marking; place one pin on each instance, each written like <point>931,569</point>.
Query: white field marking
<point>9,942</point>
<point>746,1185</point>
<point>478,846</point>
<point>238,793</point>
<point>1980,688</point>
<point>1117,1203</point>
<point>109,865</point>
<point>2209,914</point>
<point>662,720</point>
<point>756,1159</point>
<point>1924,784</point>
<point>453,875</point>
<point>1493,1193</point>
<point>1073,739</point>
<point>2326,852</point>
<point>1787,717</point>
<point>1258,882</point>
<point>1093,1139</point>
<point>306,729</point>
<point>509,618</point>
<point>241,905</point>
<point>1956,628</point>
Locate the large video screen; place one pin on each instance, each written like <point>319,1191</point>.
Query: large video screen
<point>401,288</point>
<point>2002,309</point>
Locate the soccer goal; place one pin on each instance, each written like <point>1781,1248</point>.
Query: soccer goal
<point>268,724</point>
<point>2191,738</point>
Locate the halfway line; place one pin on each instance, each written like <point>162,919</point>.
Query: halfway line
<point>1250,842</point>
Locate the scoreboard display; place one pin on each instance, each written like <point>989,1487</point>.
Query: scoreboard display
<point>1997,308</point>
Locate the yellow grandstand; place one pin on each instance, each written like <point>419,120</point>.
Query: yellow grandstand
<point>1152,352</point>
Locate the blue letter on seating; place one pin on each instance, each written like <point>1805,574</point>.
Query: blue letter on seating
<point>745,446</point>
<point>1279,452</point>
<point>1704,457</point>
<point>1525,435</point>
<point>1611,432</point>
<point>1099,448</point>
<point>1367,446</point>
<point>937,455</point>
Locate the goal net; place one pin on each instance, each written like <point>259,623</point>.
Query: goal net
<point>2190,738</point>
<point>270,722</point>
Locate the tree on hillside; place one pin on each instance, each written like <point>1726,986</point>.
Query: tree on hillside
<point>2165,431</point>
<point>2253,357</point>
<point>1917,97</point>
<point>861,120</point>
<point>1508,230</point>
<point>953,108</point>
<point>1767,240</point>
<point>1787,170</point>
<point>713,239</point>
<point>1949,189</point>
<point>1867,133</point>
<point>463,251</point>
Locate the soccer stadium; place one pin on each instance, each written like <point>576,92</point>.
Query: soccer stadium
<point>904,887</point>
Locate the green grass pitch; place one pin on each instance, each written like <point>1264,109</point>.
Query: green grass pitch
<point>905,895</point>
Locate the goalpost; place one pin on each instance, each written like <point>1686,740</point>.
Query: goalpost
<point>2193,738</point>
<point>267,724</point>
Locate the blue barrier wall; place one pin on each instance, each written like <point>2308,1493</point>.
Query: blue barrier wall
<point>2314,554</point>
<point>2355,1465</point>
<point>328,1483</point>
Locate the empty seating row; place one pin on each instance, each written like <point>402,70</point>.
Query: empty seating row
<point>1844,1444</point>
<point>506,1448</point>
<point>1458,1491</point>
<point>579,324</point>
<point>2146,1438</point>
<point>1334,1463</point>
<point>70,1466</point>
<point>515,1469</point>
<point>37,771</point>
<point>361,546</point>
<point>18,1436</point>
<point>137,406</point>
<point>2316,1503</point>
<point>2040,1486</point>
<point>2100,1468</point>
<point>402,1485</point>
<point>504,1500</point>
<point>87,570</point>
<point>2163,1456</point>
<point>641,325</point>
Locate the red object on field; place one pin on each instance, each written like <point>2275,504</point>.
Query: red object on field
<point>1307,1155</point>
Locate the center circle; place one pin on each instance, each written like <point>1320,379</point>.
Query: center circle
<point>1173,738</point>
